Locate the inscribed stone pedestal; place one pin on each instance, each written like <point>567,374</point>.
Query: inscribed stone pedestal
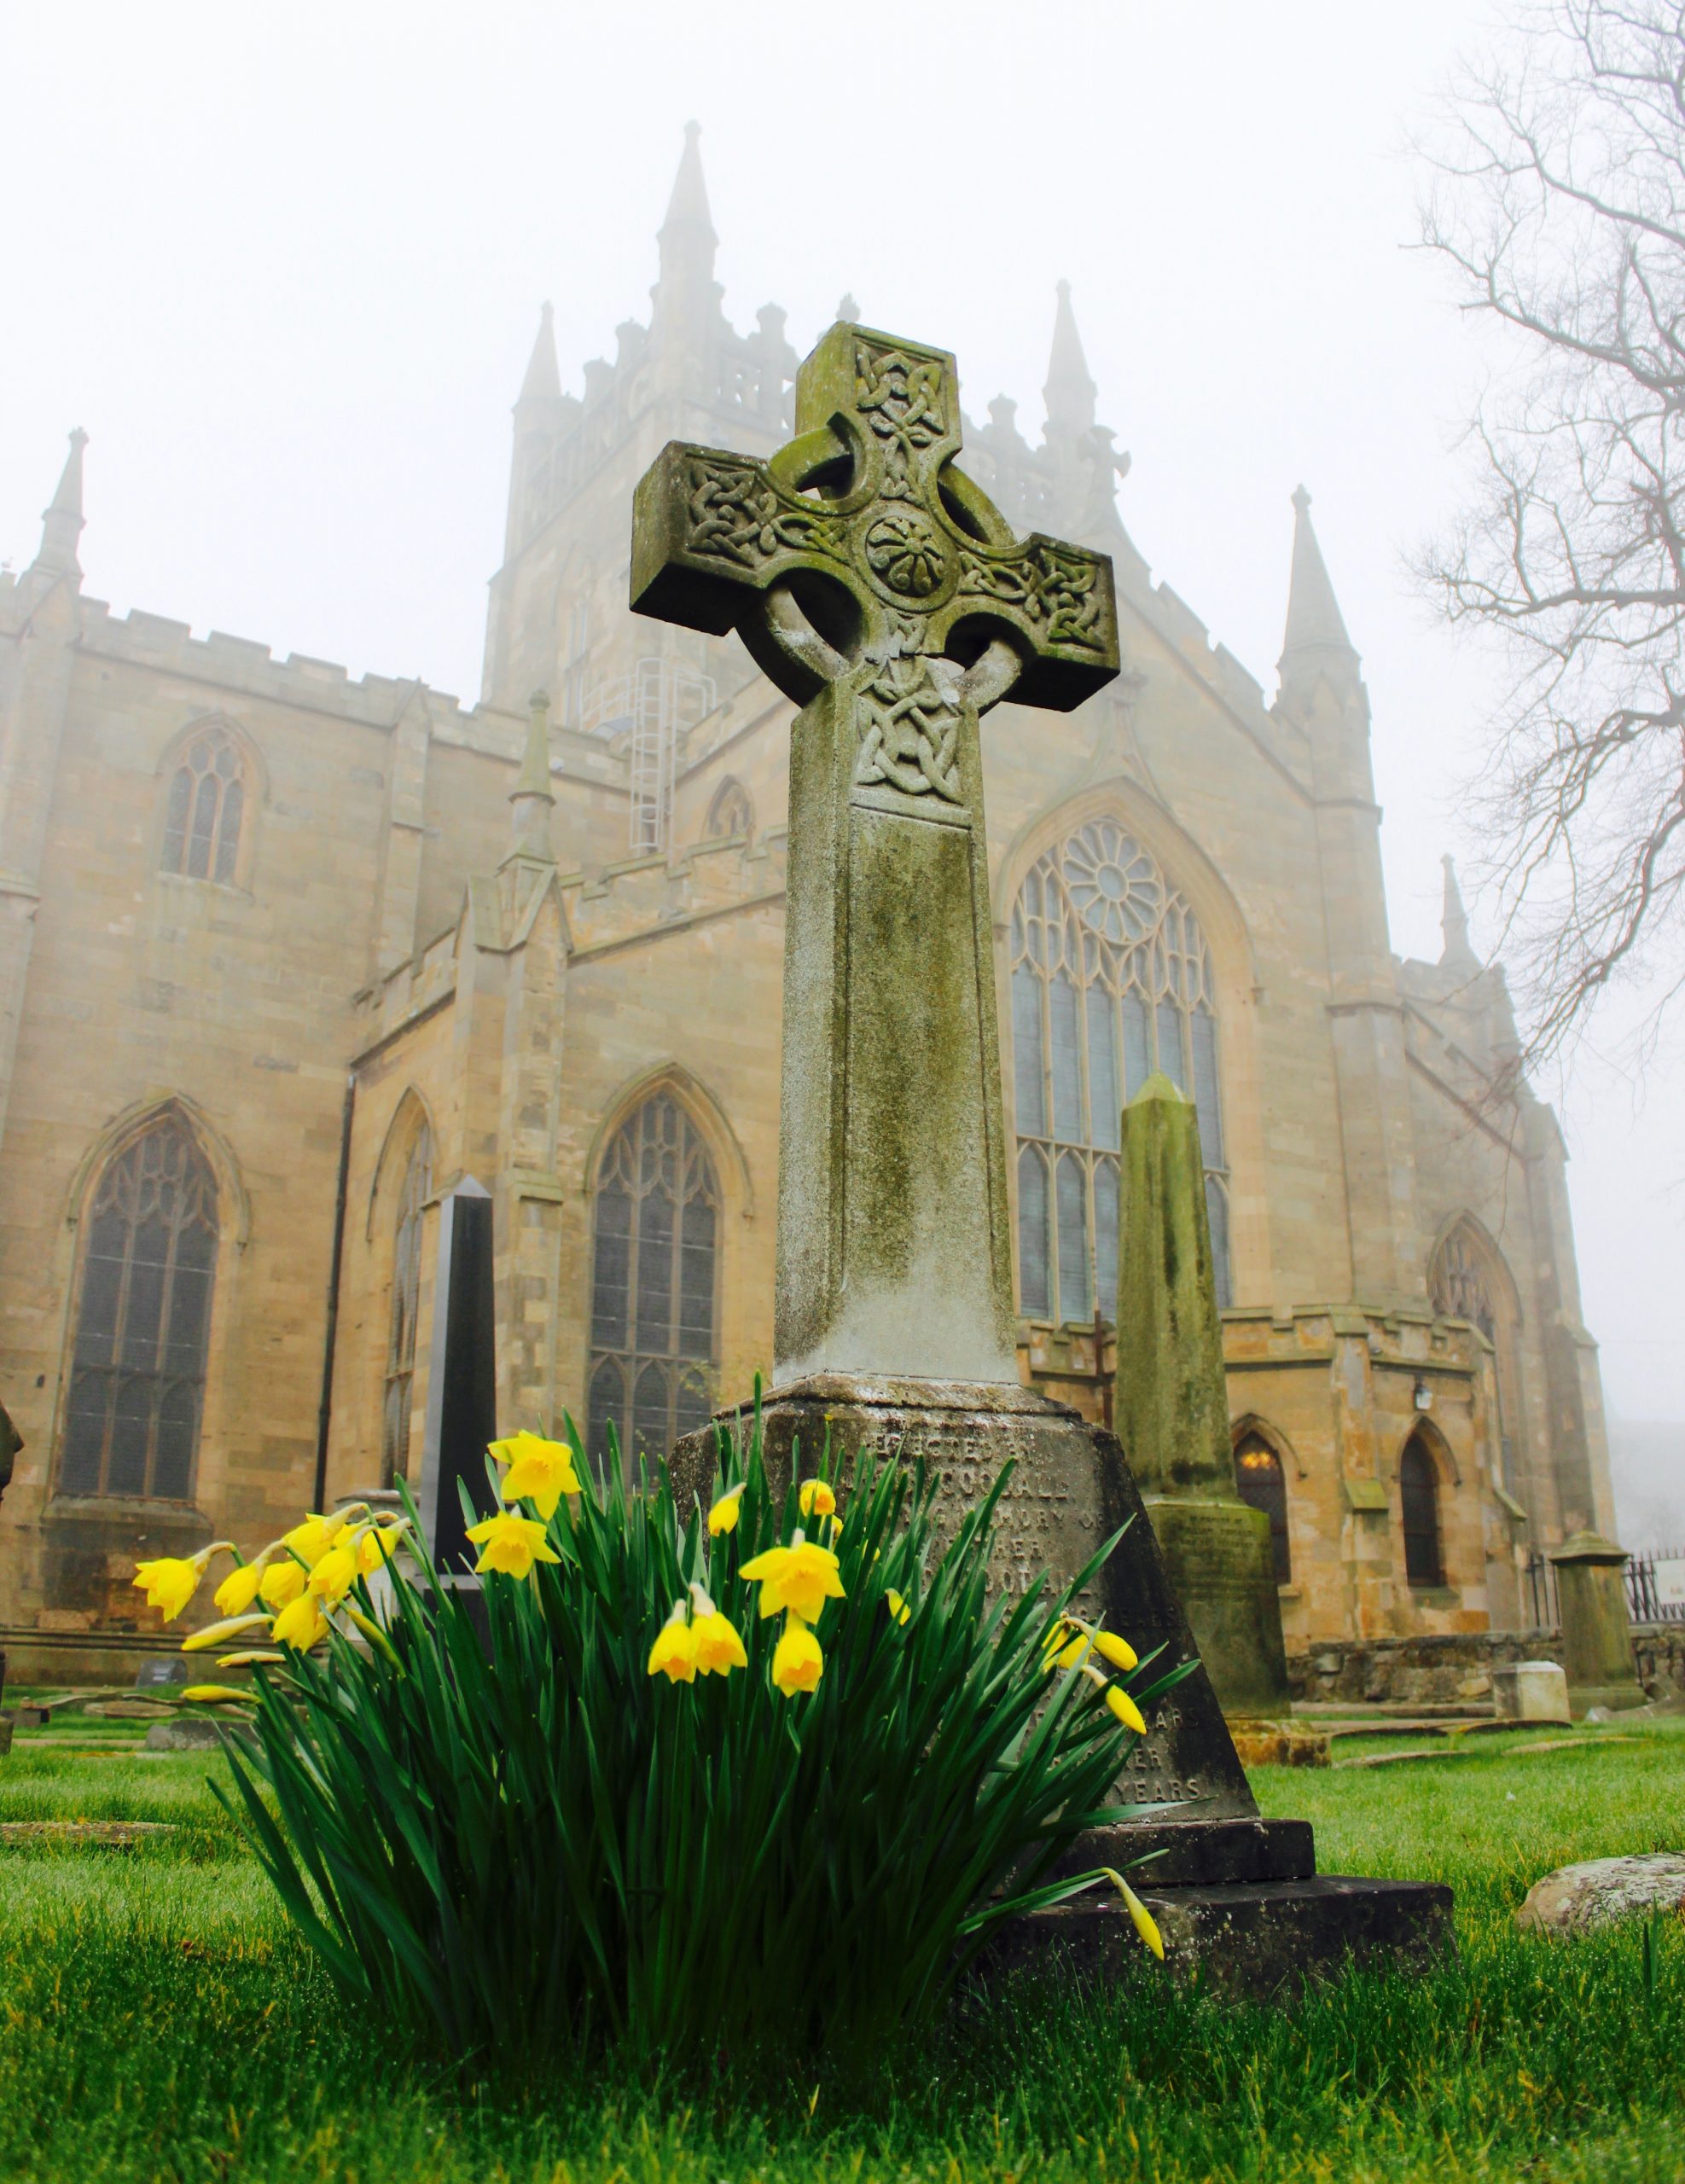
<point>1171,1408</point>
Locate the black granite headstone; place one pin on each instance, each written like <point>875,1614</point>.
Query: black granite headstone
<point>462,1415</point>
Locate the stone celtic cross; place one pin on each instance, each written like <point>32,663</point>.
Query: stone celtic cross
<point>881,589</point>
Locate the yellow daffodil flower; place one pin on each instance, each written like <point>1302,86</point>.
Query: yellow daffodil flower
<point>1143,1919</point>
<point>674,1653</point>
<point>333,1575</point>
<point>800,1576</point>
<point>212,1694</point>
<point>1126,1709</point>
<point>726,1510</point>
<point>313,1537</point>
<point>816,1499</point>
<point>301,1624</point>
<point>1063,1648</point>
<point>245,1660</point>
<point>1106,1643</point>
<point>720,1649</point>
<point>219,1634</point>
<point>169,1584</point>
<point>239,1588</point>
<point>377,1544</point>
<point>1119,1702</point>
<point>898,1609</point>
<point>282,1582</point>
<point>511,1544</point>
<point>540,1471</point>
<point>796,1661</point>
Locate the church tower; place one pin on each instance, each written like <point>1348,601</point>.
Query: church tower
<point>558,615</point>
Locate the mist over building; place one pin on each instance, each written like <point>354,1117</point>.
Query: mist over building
<point>289,960</point>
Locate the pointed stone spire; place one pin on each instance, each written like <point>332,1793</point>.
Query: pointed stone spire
<point>531,799</point>
<point>686,236</point>
<point>542,382</point>
<point>1069,392</point>
<point>1314,621</point>
<point>1458,955</point>
<point>61,523</point>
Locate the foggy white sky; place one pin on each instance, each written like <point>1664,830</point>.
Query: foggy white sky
<point>285,263</point>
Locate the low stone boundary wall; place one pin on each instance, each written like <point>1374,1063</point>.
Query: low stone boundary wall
<point>1455,1670</point>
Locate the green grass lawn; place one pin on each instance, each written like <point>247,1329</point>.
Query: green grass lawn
<point>158,2021</point>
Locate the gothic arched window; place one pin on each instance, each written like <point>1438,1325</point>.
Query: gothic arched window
<point>1110,980</point>
<point>142,1321</point>
<point>206,805</point>
<point>1258,1474</point>
<point>1419,1495</point>
<point>406,1291</point>
<point>731,813</point>
<point>656,1241</point>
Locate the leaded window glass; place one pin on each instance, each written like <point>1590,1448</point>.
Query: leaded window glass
<point>143,1322</point>
<point>1110,980</point>
<point>397,1401</point>
<point>206,806</point>
<point>653,1316</point>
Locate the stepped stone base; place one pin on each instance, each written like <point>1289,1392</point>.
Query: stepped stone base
<point>1226,1886</point>
<point>1249,1939</point>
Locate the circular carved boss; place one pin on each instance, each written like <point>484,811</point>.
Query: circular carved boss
<point>905,552</point>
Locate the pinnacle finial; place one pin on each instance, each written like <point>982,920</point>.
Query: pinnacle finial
<point>61,520</point>
<point>532,782</point>
<point>688,206</point>
<point>1458,953</point>
<point>1314,620</point>
<point>542,382</point>
<point>1069,392</point>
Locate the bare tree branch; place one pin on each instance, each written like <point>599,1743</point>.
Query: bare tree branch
<point>1559,206</point>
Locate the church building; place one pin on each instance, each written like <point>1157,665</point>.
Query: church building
<point>289,964</point>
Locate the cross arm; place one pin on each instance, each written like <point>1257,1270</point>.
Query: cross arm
<point>713,532</point>
<point>1055,605</point>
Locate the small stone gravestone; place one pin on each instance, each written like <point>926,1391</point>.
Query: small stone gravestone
<point>1530,1691</point>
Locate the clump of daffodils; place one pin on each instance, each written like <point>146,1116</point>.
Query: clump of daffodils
<point>295,1593</point>
<point>591,1782</point>
<point>288,1597</point>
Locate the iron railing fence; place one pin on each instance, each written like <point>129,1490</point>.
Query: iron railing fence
<point>1655,1586</point>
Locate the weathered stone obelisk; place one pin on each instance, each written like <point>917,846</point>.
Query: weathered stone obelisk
<point>1171,1408</point>
<point>879,587</point>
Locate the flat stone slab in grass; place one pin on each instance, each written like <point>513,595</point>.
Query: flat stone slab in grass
<point>100,1835</point>
<point>1248,1940</point>
<point>1279,1744</point>
<point>1575,1899</point>
<point>193,1733</point>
